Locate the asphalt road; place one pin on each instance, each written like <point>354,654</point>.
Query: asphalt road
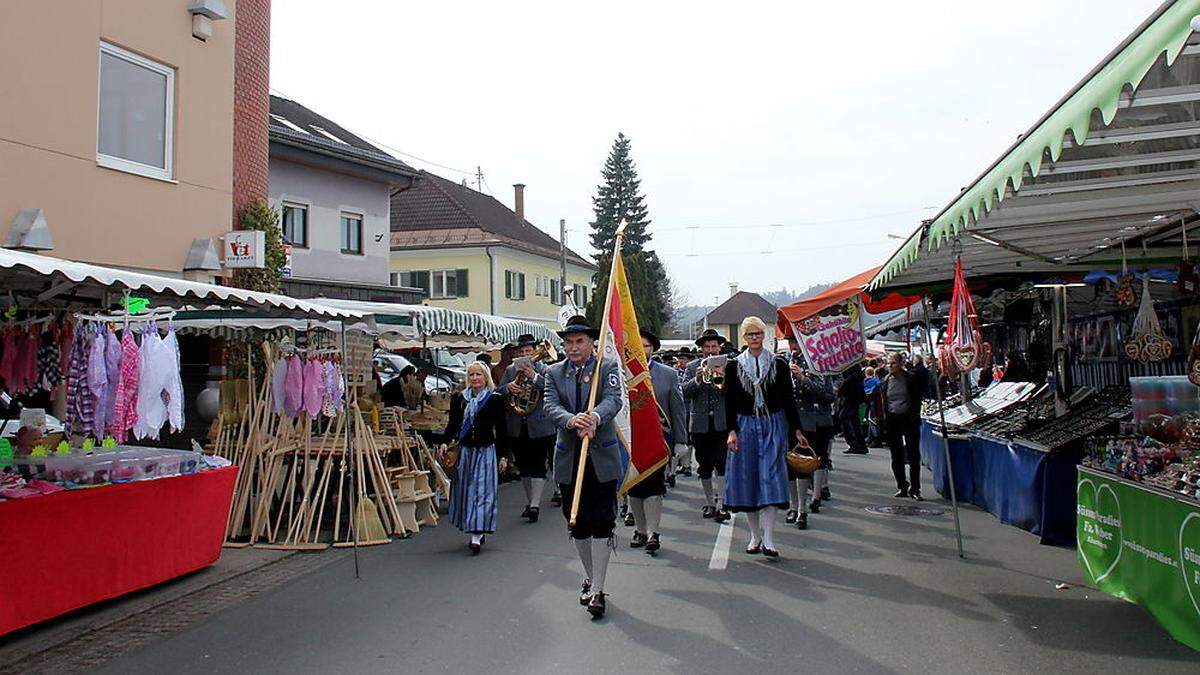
<point>858,592</point>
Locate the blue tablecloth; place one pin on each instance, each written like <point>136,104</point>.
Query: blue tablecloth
<point>1023,487</point>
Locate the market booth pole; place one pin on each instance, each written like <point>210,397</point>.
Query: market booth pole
<point>1114,199</point>
<point>67,549</point>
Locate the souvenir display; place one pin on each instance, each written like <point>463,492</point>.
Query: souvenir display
<point>1148,343</point>
<point>963,347</point>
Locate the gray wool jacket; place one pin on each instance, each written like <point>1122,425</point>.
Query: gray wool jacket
<point>566,394</point>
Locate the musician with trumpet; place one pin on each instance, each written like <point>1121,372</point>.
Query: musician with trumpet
<point>646,498</point>
<point>703,389</point>
<point>530,430</point>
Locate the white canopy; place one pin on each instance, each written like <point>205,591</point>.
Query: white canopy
<point>440,321</point>
<point>40,279</point>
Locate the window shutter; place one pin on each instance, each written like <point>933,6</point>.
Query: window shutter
<point>462,282</point>
<point>522,285</point>
<point>421,281</point>
<point>507,284</point>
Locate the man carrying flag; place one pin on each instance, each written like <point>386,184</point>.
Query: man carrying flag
<point>588,460</point>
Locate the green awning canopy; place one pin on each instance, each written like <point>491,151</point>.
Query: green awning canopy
<point>1167,32</point>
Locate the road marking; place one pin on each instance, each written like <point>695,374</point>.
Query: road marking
<point>720,553</point>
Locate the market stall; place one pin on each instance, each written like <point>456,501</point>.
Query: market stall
<point>96,507</point>
<point>1078,243</point>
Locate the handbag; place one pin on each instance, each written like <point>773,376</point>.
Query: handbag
<point>449,457</point>
<point>802,461</point>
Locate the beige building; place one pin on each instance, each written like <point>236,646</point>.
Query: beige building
<point>468,251</point>
<point>118,126</point>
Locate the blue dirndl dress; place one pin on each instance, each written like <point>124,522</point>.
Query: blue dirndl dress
<point>473,507</point>
<point>756,475</point>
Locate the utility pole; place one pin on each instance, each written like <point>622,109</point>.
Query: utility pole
<point>562,258</point>
<point>478,178</point>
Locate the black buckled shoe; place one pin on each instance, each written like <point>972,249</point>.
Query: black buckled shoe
<point>722,516</point>
<point>596,605</point>
<point>900,494</point>
<point>585,592</point>
<point>629,519</point>
<point>770,553</point>
<point>525,513</point>
<point>790,517</point>
<point>653,544</point>
<point>802,522</point>
<point>826,495</point>
<point>638,540</point>
<point>916,494</point>
<point>708,512</point>
<point>754,550</point>
<point>815,506</point>
<point>532,513</point>
<point>556,498</point>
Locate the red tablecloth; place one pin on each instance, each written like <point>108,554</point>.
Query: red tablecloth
<point>70,549</point>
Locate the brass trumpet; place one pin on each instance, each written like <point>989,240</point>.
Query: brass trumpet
<point>712,371</point>
<point>526,399</point>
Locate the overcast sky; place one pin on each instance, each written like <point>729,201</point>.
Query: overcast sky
<point>840,123</point>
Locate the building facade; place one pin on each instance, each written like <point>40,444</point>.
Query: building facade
<point>333,191</point>
<point>468,251</point>
<point>118,126</point>
<point>727,317</point>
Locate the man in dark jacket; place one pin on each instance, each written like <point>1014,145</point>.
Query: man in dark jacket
<point>902,395</point>
<point>850,400</point>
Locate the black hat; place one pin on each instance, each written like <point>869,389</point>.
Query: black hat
<point>484,357</point>
<point>710,334</point>
<point>579,324</point>
<point>652,338</point>
<point>526,340</point>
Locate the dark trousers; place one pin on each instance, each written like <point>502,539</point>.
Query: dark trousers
<point>904,440</point>
<point>710,452</point>
<point>852,429</point>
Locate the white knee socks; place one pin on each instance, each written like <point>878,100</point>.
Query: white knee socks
<point>638,506</point>
<point>584,546</point>
<point>755,529</point>
<point>793,494</point>
<point>527,485</point>
<point>803,486</point>
<point>477,539</point>
<point>821,481</point>
<point>768,526</point>
<point>600,553</point>
<point>719,485</point>
<point>653,509</point>
<point>707,484</point>
<point>535,491</point>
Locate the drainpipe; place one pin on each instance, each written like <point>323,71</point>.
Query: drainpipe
<point>491,280</point>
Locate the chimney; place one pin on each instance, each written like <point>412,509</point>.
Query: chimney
<point>733,289</point>
<point>519,202</point>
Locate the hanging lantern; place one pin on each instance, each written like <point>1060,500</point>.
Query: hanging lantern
<point>964,342</point>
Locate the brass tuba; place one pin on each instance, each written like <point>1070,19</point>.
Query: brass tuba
<point>712,371</point>
<point>526,399</point>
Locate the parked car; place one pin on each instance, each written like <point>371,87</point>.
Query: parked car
<point>390,365</point>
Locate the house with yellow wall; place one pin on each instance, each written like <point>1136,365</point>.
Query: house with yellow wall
<point>468,251</point>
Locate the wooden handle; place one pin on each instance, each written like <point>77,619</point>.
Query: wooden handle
<point>583,453</point>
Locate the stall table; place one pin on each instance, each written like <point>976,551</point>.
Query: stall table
<point>67,550</point>
<point>1142,544</point>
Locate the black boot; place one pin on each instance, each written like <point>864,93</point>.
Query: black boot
<point>596,606</point>
<point>652,545</point>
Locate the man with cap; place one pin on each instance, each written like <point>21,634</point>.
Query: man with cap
<point>707,424</point>
<point>646,498</point>
<point>532,434</point>
<point>568,386</point>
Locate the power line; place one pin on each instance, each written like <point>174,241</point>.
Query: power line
<point>810,223</point>
<point>702,254</point>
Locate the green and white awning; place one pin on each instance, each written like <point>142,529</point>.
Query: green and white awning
<point>1126,173</point>
<point>434,322</point>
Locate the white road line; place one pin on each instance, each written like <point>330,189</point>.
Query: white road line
<point>720,553</point>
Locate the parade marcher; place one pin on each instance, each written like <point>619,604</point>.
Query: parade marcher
<point>684,461</point>
<point>477,421</point>
<point>902,393</point>
<point>814,405</point>
<point>646,498</point>
<point>706,423</point>
<point>531,435</point>
<point>760,413</point>
<point>568,386</point>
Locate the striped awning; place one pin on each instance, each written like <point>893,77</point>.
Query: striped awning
<point>440,321</point>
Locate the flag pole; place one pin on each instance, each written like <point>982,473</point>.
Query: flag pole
<point>583,450</point>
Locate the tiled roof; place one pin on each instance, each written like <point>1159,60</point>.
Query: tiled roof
<point>441,213</point>
<point>294,124</point>
<point>741,305</point>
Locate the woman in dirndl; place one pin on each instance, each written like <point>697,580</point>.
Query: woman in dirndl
<point>477,421</point>
<point>760,412</point>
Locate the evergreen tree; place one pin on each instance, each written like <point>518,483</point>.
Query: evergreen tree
<point>619,198</point>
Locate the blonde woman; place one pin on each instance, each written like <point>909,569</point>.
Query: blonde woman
<point>477,422</point>
<point>760,413</point>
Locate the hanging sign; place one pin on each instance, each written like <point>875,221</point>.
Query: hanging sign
<point>566,312</point>
<point>286,270</point>
<point>245,248</point>
<point>833,340</point>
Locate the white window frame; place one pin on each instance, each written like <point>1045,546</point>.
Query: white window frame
<point>443,274</point>
<point>286,204</point>
<point>362,233</point>
<point>167,173</point>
